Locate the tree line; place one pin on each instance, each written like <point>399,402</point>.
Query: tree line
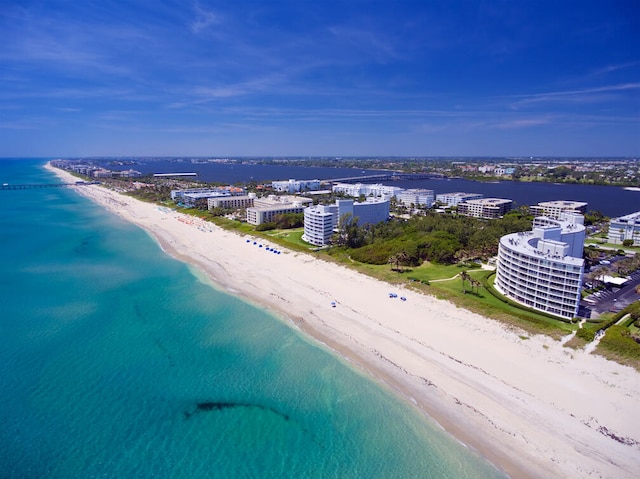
<point>432,237</point>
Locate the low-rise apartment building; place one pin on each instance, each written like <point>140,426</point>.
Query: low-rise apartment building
<point>231,202</point>
<point>358,189</point>
<point>453,199</point>
<point>553,209</point>
<point>295,186</point>
<point>189,197</point>
<point>416,197</point>
<point>485,207</point>
<point>265,209</point>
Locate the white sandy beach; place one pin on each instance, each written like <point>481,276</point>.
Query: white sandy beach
<point>531,407</point>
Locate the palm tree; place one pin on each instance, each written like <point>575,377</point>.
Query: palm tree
<point>399,258</point>
<point>476,283</point>
<point>464,276</point>
<point>601,272</point>
<point>592,277</point>
<point>402,258</point>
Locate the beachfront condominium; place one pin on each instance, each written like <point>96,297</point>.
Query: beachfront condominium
<point>295,186</point>
<point>231,202</point>
<point>453,199</point>
<point>190,197</point>
<point>416,197</point>
<point>265,209</point>
<point>320,221</point>
<point>625,228</point>
<point>553,209</point>
<point>485,207</point>
<point>543,268</point>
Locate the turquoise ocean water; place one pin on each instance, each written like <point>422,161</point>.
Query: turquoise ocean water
<point>116,361</point>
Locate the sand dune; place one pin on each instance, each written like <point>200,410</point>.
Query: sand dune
<point>532,407</point>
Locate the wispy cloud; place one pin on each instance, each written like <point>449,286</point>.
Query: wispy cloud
<point>613,68</point>
<point>522,123</point>
<point>576,96</point>
<point>204,19</point>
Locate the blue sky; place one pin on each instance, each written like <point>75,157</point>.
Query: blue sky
<point>287,78</point>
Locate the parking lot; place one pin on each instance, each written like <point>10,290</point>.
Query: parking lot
<point>612,298</point>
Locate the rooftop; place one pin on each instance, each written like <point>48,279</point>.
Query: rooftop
<point>630,217</point>
<point>562,204</point>
<point>489,201</point>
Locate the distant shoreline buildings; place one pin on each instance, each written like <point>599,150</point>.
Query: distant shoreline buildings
<point>94,171</point>
<point>295,186</point>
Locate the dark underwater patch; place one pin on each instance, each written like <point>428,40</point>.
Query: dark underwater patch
<point>208,406</point>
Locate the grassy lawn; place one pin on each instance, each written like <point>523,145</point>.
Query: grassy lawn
<point>426,272</point>
<point>603,242</point>
<point>486,304</point>
<point>290,238</point>
<point>618,346</point>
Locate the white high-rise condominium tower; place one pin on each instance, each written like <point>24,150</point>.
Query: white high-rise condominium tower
<point>543,268</point>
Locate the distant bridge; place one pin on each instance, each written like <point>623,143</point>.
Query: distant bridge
<point>387,177</point>
<point>162,175</point>
<point>37,186</point>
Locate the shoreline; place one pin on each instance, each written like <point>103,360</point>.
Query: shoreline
<point>527,406</point>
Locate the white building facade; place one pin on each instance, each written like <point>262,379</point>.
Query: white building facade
<point>453,199</point>
<point>625,228</point>
<point>266,209</point>
<point>553,209</point>
<point>416,197</point>
<point>485,207</point>
<point>357,189</point>
<point>543,268</point>
<point>189,197</point>
<point>320,221</point>
<point>231,202</point>
<point>295,186</point>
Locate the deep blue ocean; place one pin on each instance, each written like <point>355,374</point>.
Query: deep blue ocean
<point>117,361</point>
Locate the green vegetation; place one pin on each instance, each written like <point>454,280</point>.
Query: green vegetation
<point>290,238</point>
<point>619,345</point>
<point>621,340</point>
<point>283,221</point>
<point>603,243</point>
<point>433,237</point>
